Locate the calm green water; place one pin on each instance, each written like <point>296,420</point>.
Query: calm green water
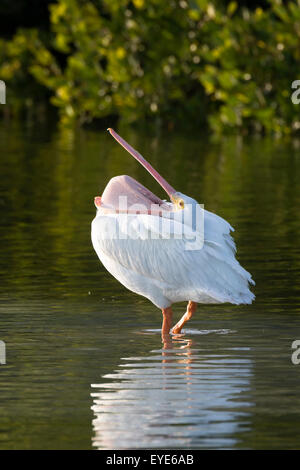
<point>85,364</point>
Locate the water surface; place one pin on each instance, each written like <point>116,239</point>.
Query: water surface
<point>86,367</point>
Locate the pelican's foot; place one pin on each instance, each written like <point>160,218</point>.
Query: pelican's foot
<point>178,327</point>
<point>191,308</point>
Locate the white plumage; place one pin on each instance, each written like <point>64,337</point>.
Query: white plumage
<point>163,270</point>
<point>136,248</point>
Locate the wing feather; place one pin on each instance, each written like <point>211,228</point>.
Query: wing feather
<point>140,243</point>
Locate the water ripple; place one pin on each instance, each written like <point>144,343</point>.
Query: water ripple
<point>175,397</point>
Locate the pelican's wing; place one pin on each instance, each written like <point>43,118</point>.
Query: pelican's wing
<point>141,243</point>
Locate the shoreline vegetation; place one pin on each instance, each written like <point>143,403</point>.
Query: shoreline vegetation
<point>217,65</point>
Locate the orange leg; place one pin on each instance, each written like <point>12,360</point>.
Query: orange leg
<point>167,320</point>
<point>191,308</point>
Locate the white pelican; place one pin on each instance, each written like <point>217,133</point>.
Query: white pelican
<point>162,250</point>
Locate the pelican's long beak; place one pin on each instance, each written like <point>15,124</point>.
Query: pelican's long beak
<point>164,184</point>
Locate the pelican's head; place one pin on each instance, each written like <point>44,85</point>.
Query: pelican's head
<point>138,194</point>
<point>181,201</point>
<point>187,210</point>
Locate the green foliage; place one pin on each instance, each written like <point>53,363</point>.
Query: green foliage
<point>195,61</point>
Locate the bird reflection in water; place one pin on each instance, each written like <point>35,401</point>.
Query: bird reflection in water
<point>180,396</point>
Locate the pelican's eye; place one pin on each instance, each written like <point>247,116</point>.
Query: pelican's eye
<point>181,204</point>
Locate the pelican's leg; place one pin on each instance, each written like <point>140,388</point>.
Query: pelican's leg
<point>167,320</point>
<point>191,308</point>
